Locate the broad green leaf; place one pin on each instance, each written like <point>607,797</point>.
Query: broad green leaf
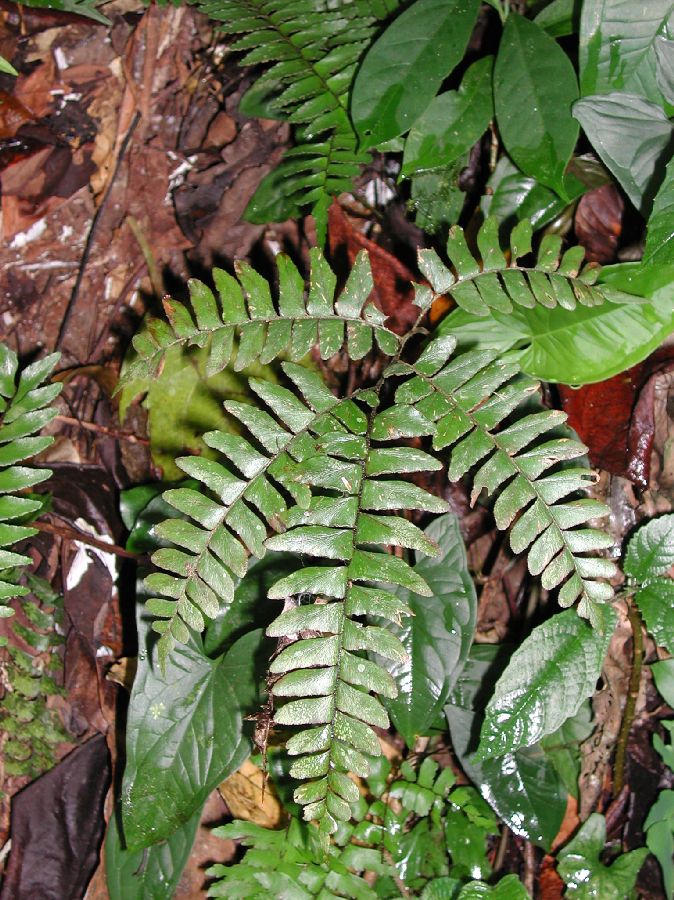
<point>664,64</point>
<point>659,249</point>
<point>184,733</point>
<point>578,346</point>
<point>548,677</point>
<point>523,788</point>
<point>452,122</point>
<point>508,888</point>
<point>663,675</point>
<point>406,65</point>
<point>632,136</point>
<point>518,197</point>
<point>437,637</point>
<point>650,552</point>
<point>656,605</point>
<point>659,828</point>
<point>560,18</point>
<point>562,747</point>
<point>617,46</point>
<point>149,874</point>
<point>587,878</point>
<point>534,88</point>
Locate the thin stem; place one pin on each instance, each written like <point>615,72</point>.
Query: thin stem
<point>102,429</point>
<point>631,702</point>
<point>72,534</point>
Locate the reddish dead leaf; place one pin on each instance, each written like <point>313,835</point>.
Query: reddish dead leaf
<point>13,114</point>
<point>615,418</point>
<point>392,293</point>
<point>598,222</point>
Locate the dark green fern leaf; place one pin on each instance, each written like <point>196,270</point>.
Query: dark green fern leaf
<point>325,679</point>
<point>312,48</point>
<point>24,411</point>
<point>496,284</point>
<point>245,316</point>
<point>471,399</point>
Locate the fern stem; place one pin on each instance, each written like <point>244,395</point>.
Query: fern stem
<point>630,704</point>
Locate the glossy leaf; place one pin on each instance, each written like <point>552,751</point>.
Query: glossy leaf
<point>546,681</point>
<point>586,876</point>
<point>406,65</point>
<point>507,888</point>
<point>650,552</point>
<point>533,75</point>
<point>516,196</point>
<point>659,828</point>
<point>631,135</point>
<point>659,249</point>
<point>562,747</point>
<point>184,734</point>
<point>618,46</point>
<point>452,122</point>
<point>560,17</point>
<point>523,788</point>
<point>152,873</point>
<point>663,675</point>
<point>437,637</point>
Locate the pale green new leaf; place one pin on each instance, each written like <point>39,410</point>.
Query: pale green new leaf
<point>546,681</point>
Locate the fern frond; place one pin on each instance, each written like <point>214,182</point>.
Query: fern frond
<point>324,679</point>
<point>313,47</point>
<point>246,312</point>
<point>495,283</point>
<point>237,503</point>
<point>471,399</point>
<point>23,412</point>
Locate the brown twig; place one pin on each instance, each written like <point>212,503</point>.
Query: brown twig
<point>72,534</point>
<point>631,702</point>
<point>108,432</point>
